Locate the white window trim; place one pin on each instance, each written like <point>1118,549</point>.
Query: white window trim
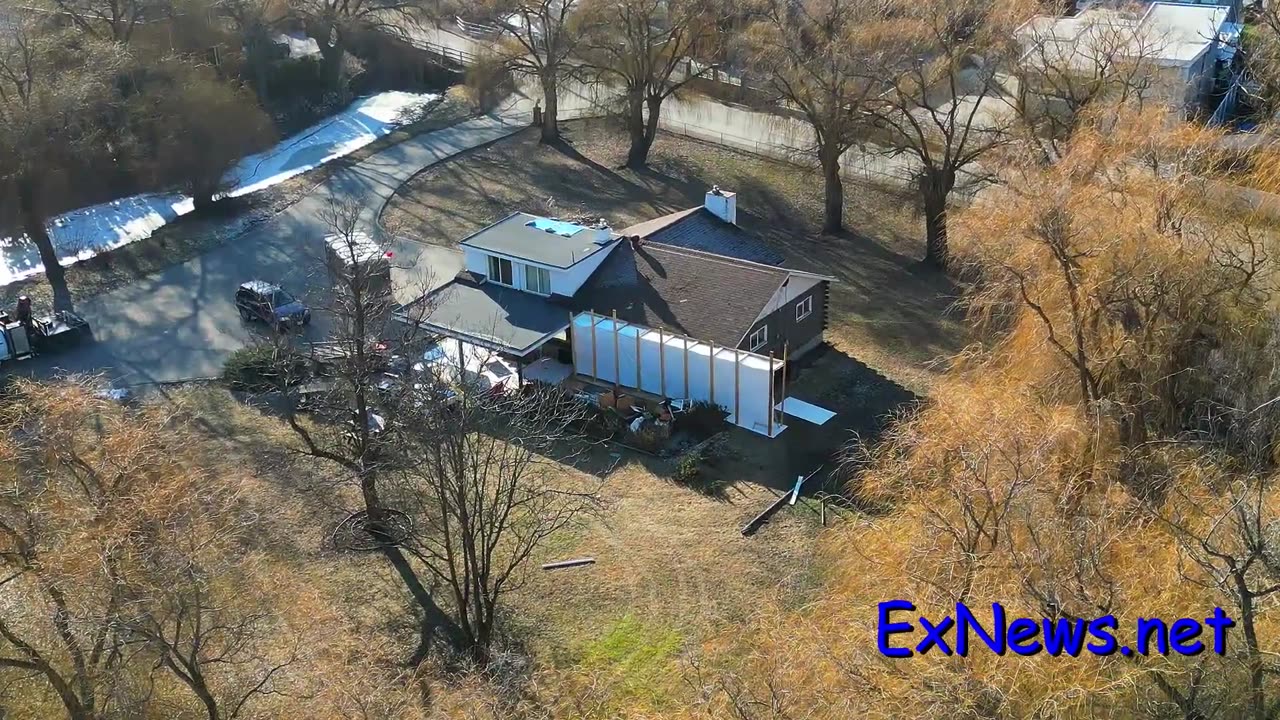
<point>525,270</point>
<point>763,332</point>
<point>804,308</point>
<point>489,270</point>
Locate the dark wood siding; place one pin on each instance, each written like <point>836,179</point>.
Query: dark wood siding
<point>785,330</point>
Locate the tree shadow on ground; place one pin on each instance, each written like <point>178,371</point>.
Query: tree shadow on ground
<point>864,401</point>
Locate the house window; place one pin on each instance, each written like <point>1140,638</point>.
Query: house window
<point>759,338</point>
<point>804,308</point>
<point>500,270</point>
<point>537,280</point>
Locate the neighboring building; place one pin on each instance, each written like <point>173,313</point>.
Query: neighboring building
<point>1235,7</point>
<point>664,308</point>
<point>1168,51</point>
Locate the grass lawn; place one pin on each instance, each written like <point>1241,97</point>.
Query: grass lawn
<point>672,576</point>
<point>887,312</point>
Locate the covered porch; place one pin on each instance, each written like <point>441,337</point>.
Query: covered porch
<point>493,336</point>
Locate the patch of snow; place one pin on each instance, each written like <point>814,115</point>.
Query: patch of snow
<point>362,123</point>
<point>81,234</point>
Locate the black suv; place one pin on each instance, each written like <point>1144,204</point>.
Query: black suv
<point>262,301</point>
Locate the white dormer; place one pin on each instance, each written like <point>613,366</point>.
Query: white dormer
<point>536,254</point>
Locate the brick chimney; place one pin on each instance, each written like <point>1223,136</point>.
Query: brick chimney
<point>722,204</point>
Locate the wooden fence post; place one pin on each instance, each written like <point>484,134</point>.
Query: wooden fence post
<point>662,364</point>
<point>617,354</point>
<point>639,332</point>
<point>594,375</point>
<point>736,385</point>
<point>769,427</point>
<point>713,373</point>
<point>685,338</point>
<point>785,345</point>
<point>573,346</point>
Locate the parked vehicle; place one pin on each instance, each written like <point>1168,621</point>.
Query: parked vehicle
<point>23,336</point>
<point>264,302</point>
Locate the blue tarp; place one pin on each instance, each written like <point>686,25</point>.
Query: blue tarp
<point>559,227</point>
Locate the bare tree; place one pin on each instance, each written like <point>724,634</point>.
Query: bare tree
<point>203,126</point>
<point>253,21</point>
<point>57,98</point>
<point>485,484</point>
<point>813,56</point>
<point>648,46</point>
<point>1106,57</point>
<point>201,639</point>
<point>945,105</point>
<point>357,431</point>
<point>1260,50</point>
<point>113,20</point>
<point>102,512</point>
<point>540,38</point>
<point>1231,543</point>
<point>332,24</point>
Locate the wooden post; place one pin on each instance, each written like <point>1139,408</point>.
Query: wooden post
<point>593,345</point>
<point>617,354</point>
<point>639,332</point>
<point>573,346</point>
<point>685,338</point>
<point>822,510</point>
<point>769,428</point>
<point>662,364</point>
<point>736,386</point>
<point>785,345</point>
<point>713,373</point>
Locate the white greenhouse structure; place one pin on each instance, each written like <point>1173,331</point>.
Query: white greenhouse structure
<point>676,366</point>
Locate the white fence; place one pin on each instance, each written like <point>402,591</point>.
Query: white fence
<point>667,365</point>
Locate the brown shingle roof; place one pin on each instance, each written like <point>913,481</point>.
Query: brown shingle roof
<point>705,296</point>
<point>699,229</point>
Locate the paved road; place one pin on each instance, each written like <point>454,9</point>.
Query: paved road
<point>182,323</point>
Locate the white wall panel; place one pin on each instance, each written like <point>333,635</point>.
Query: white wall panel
<point>662,368</point>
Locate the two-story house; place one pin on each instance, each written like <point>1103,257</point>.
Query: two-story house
<point>662,308</point>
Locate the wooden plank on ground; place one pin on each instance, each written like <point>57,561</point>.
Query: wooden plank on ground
<point>577,562</point>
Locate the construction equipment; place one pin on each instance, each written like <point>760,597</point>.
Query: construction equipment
<point>23,336</point>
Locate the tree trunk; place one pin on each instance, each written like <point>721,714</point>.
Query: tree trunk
<point>644,133</point>
<point>935,225</point>
<point>1257,697</point>
<point>202,197</point>
<point>635,129</point>
<point>259,63</point>
<point>833,205</point>
<point>332,52</point>
<point>33,221</point>
<point>550,102</point>
<point>935,189</point>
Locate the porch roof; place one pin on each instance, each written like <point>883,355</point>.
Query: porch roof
<point>488,315</point>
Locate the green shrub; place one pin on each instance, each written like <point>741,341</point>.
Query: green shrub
<point>263,368</point>
<point>688,467</point>
<point>702,420</point>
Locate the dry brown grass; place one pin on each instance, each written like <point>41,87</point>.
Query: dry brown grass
<point>673,574</point>
<point>886,310</point>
